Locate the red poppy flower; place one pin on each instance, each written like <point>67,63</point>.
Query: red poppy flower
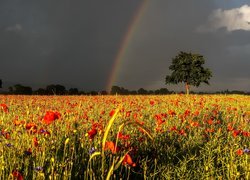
<point>236,133</point>
<point>102,112</point>
<point>230,127</point>
<point>17,175</point>
<point>171,112</point>
<point>196,113</point>
<point>4,107</point>
<point>18,122</point>
<point>112,113</point>
<point>239,152</point>
<point>50,117</point>
<point>182,132</point>
<point>122,136</point>
<point>97,125</point>
<point>31,127</point>
<point>209,130</point>
<point>5,134</point>
<point>128,113</point>
<point>128,161</point>
<point>92,133</point>
<point>173,128</point>
<point>187,113</point>
<point>159,119</point>
<point>35,141</point>
<point>194,124</point>
<point>109,145</point>
<point>210,121</point>
<point>139,122</point>
<point>152,102</point>
<point>246,134</point>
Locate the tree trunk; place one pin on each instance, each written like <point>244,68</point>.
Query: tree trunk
<point>187,88</point>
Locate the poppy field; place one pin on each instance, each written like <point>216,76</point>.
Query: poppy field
<point>125,137</point>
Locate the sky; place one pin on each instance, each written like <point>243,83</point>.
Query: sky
<point>93,44</point>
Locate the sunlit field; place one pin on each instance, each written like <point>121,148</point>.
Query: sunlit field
<point>125,137</point>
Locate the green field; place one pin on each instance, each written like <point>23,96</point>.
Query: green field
<point>125,137</point>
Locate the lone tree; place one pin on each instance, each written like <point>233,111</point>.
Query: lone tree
<point>187,68</point>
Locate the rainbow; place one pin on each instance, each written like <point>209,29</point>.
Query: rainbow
<point>125,43</point>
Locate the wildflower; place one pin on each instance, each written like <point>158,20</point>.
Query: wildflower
<point>209,130</point>
<point>171,112</point>
<point>50,117</point>
<point>92,150</point>
<point>18,122</point>
<point>124,137</point>
<point>31,127</point>
<point>128,161</point>
<point>182,132</point>
<point>194,124</point>
<point>196,113</point>
<point>210,121</point>
<point>159,119</point>
<point>139,122</point>
<point>9,145</point>
<point>236,133</point>
<point>43,131</point>
<point>239,152</point>
<point>97,125</point>
<point>128,113</point>
<point>5,134</point>
<point>159,129</point>
<point>16,174</point>
<point>35,141</point>
<point>4,107</point>
<point>246,150</point>
<point>38,168</point>
<point>187,113</point>
<point>92,133</point>
<point>109,145</point>
<point>173,128</point>
<point>102,112</point>
<point>246,134</point>
<point>230,127</point>
<point>152,102</point>
<point>112,113</point>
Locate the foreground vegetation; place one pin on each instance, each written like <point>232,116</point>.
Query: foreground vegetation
<point>140,137</point>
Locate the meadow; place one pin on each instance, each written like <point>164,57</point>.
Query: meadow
<point>125,137</point>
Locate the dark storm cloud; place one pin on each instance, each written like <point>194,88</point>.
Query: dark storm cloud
<point>75,42</point>
<point>72,42</point>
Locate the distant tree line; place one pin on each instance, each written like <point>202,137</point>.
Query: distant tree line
<point>140,91</point>
<point>57,89</point>
<point>52,89</point>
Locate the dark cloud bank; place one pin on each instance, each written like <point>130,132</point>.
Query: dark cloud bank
<point>75,42</point>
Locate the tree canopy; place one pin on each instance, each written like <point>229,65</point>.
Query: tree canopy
<point>20,89</point>
<point>188,68</point>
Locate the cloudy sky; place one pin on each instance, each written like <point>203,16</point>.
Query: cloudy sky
<point>75,42</point>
